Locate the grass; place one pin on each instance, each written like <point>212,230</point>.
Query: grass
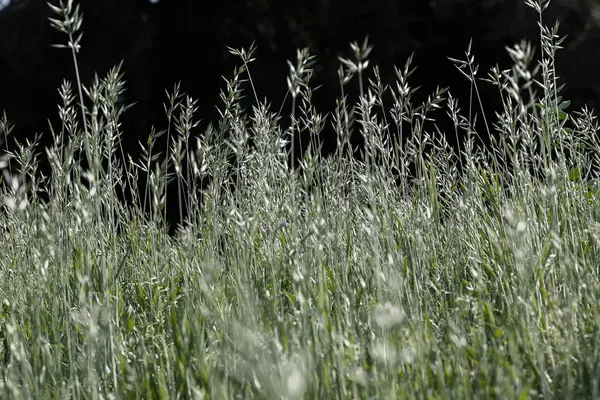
<point>412,271</point>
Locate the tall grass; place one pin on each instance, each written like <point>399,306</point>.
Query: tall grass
<point>411,271</point>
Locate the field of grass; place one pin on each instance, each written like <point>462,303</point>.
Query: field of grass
<point>414,272</point>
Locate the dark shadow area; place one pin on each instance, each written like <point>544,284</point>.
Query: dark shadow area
<point>186,41</point>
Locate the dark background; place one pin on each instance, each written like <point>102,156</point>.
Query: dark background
<point>185,41</point>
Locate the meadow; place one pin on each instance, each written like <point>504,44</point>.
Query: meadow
<point>413,271</point>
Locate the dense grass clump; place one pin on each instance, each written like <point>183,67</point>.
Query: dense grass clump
<point>412,271</point>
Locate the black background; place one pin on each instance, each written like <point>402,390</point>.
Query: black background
<point>185,41</point>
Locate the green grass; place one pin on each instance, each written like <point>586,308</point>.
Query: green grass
<point>341,279</point>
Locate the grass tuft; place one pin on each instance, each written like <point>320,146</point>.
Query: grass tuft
<point>400,270</point>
